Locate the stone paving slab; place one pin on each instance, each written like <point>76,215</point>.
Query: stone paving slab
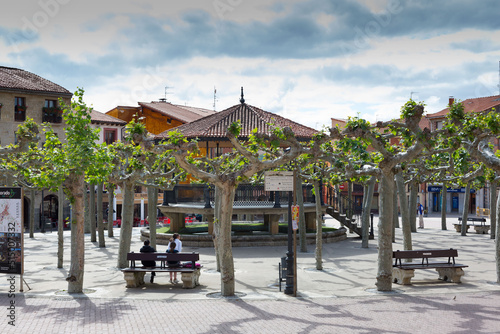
<point>340,298</point>
<point>397,313</point>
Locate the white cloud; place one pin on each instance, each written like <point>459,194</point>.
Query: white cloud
<point>108,48</point>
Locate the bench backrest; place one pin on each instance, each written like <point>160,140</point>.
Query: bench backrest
<point>474,219</point>
<point>192,257</point>
<point>425,254</point>
<point>418,254</point>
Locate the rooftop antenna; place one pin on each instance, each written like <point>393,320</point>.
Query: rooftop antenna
<point>215,97</point>
<point>411,95</point>
<point>164,99</point>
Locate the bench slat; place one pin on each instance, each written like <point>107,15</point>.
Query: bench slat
<point>430,266</point>
<point>163,256</point>
<point>159,269</point>
<point>417,254</point>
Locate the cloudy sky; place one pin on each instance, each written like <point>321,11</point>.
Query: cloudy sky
<point>307,60</point>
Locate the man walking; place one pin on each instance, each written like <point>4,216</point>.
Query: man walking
<point>420,211</point>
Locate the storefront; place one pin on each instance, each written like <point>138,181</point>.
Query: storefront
<point>454,199</point>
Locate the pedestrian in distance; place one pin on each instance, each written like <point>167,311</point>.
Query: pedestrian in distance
<point>178,243</point>
<point>420,211</point>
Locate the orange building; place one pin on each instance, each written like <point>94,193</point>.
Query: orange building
<point>159,116</point>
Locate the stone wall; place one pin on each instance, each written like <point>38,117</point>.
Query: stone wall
<point>34,102</point>
<point>255,240</point>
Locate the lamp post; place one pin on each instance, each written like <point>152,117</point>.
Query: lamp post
<point>289,286</point>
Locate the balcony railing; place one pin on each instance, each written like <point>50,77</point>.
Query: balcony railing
<point>246,194</point>
<point>20,113</point>
<point>52,115</point>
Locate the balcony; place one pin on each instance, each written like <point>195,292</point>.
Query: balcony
<point>52,115</point>
<point>20,113</point>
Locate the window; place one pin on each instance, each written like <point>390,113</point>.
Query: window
<point>51,112</point>
<point>19,109</point>
<point>51,104</point>
<point>439,125</point>
<point>109,136</point>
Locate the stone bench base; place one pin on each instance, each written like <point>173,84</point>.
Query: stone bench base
<point>135,279</point>
<point>458,227</point>
<point>482,229</point>
<point>190,280</point>
<point>450,274</point>
<point>404,276</point>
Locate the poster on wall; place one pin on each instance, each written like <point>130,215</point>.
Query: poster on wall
<point>11,230</point>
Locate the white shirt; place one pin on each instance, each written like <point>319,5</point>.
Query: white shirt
<point>178,245</point>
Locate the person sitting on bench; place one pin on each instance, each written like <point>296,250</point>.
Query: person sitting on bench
<point>148,249</point>
<point>172,249</point>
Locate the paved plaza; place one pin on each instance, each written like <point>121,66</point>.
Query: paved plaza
<point>340,299</point>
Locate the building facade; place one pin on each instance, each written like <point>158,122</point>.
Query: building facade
<point>26,95</point>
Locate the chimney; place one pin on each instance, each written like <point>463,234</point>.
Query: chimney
<point>451,100</point>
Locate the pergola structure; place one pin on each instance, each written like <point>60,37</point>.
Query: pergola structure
<point>211,133</point>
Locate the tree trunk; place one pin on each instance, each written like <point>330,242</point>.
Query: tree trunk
<point>302,220</point>
<point>76,270</point>
<point>100,225</point>
<point>127,223</point>
<point>405,216</point>
<point>493,208</point>
<point>412,208</point>
<point>365,219</point>
<point>465,212</point>
<point>395,209</point>
<point>216,231</point>
<point>497,241</point>
<point>152,214</point>
<point>111,197</point>
<point>93,237</point>
<point>350,205</point>
<point>338,197</point>
<point>32,213</point>
<point>444,195</point>
<point>319,228</point>
<point>223,239</point>
<point>60,226</point>
<point>384,270</point>
<point>86,210</point>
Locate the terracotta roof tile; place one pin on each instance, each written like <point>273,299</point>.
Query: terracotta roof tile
<point>200,111</point>
<point>17,79</point>
<point>100,118</point>
<point>183,114</point>
<point>216,125</point>
<point>473,105</point>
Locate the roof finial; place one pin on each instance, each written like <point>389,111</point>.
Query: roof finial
<point>242,100</point>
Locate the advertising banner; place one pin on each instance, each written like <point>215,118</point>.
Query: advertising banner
<point>11,230</point>
<point>295,217</point>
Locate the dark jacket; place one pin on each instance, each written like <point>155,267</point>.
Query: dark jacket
<point>148,249</point>
<point>173,263</point>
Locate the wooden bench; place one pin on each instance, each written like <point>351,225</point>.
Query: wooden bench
<point>402,272</point>
<point>480,228</point>
<point>134,275</point>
